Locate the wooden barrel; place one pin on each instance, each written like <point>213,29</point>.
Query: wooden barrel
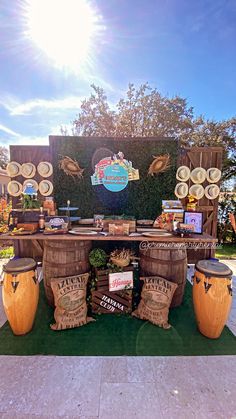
<point>212,296</point>
<point>20,294</point>
<point>170,264</point>
<point>64,258</point>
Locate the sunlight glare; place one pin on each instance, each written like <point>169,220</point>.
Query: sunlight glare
<point>65,30</point>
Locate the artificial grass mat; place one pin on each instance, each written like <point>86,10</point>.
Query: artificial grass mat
<point>116,335</point>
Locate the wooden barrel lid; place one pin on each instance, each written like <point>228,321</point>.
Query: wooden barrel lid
<point>20,265</point>
<point>213,268</point>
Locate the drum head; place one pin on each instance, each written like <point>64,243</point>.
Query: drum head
<point>213,268</point>
<point>20,265</point>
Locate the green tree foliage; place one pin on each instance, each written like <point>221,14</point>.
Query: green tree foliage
<point>144,112</point>
<point>4,157</point>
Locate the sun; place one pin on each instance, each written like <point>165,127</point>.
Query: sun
<point>66,30</point>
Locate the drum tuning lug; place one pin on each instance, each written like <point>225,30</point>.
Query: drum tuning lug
<point>15,285</point>
<point>230,289</point>
<point>207,286</point>
<point>35,279</point>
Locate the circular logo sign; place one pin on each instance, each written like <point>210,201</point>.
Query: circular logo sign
<point>115,178</point>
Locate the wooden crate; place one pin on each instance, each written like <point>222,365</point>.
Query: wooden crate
<point>132,224</point>
<point>102,276</point>
<point>111,302</point>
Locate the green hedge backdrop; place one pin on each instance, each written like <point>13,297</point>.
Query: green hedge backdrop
<point>141,198</point>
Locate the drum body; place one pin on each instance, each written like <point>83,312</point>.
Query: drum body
<point>212,297</point>
<point>20,294</point>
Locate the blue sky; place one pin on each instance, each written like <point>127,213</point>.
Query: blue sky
<point>181,47</point>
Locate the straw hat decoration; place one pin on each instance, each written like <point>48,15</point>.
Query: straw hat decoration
<point>28,170</point>
<point>198,175</point>
<point>183,173</point>
<point>45,169</point>
<point>213,175</point>
<point>32,182</point>
<point>45,187</point>
<point>14,188</point>
<point>181,190</point>
<point>13,169</point>
<point>212,191</point>
<point>197,191</point>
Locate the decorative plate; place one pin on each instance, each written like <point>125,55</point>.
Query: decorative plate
<point>22,233</point>
<point>145,222</point>
<point>83,233</point>
<point>156,234</point>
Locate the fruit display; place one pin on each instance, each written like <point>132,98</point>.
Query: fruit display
<point>3,228</point>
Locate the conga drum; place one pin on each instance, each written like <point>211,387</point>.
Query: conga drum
<point>20,294</point>
<point>212,296</point>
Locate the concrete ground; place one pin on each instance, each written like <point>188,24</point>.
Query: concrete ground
<point>119,387</point>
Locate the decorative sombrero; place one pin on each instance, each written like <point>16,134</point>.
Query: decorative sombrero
<point>31,182</point>
<point>14,188</point>
<point>45,169</point>
<point>28,170</point>
<point>13,169</point>
<point>197,191</point>
<point>181,190</point>
<point>45,187</point>
<point>213,175</point>
<point>212,191</point>
<point>198,175</point>
<point>183,173</point>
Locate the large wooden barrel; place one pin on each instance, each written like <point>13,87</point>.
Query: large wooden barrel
<point>170,264</point>
<point>20,294</point>
<point>212,296</point>
<point>64,258</point>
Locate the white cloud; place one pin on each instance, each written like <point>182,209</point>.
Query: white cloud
<point>9,131</point>
<point>25,140</point>
<point>26,108</point>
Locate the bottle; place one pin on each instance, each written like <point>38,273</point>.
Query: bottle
<point>41,220</point>
<point>11,222</point>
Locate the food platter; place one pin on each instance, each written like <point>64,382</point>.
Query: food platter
<point>145,222</point>
<point>156,234</point>
<point>55,231</point>
<point>22,233</point>
<point>83,232</point>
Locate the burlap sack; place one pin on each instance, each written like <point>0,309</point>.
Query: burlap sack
<point>70,301</point>
<point>156,298</point>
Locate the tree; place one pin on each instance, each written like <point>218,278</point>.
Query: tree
<point>144,112</point>
<point>95,118</point>
<point>4,157</point>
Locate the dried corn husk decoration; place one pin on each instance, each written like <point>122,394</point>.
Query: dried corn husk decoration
<point>70,167</point>
<point>122,257</point>
<point>160,164</point>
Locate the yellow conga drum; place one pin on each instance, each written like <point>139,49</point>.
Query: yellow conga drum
<point>20,294</point>
<point>212,296</point>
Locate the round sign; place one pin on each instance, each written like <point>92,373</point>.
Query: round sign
<point>115,178</point>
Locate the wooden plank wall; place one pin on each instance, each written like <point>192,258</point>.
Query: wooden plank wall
<point>205,157</point>
<point>29,154</point>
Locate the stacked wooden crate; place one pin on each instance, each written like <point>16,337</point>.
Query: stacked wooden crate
<point>105,301</point>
